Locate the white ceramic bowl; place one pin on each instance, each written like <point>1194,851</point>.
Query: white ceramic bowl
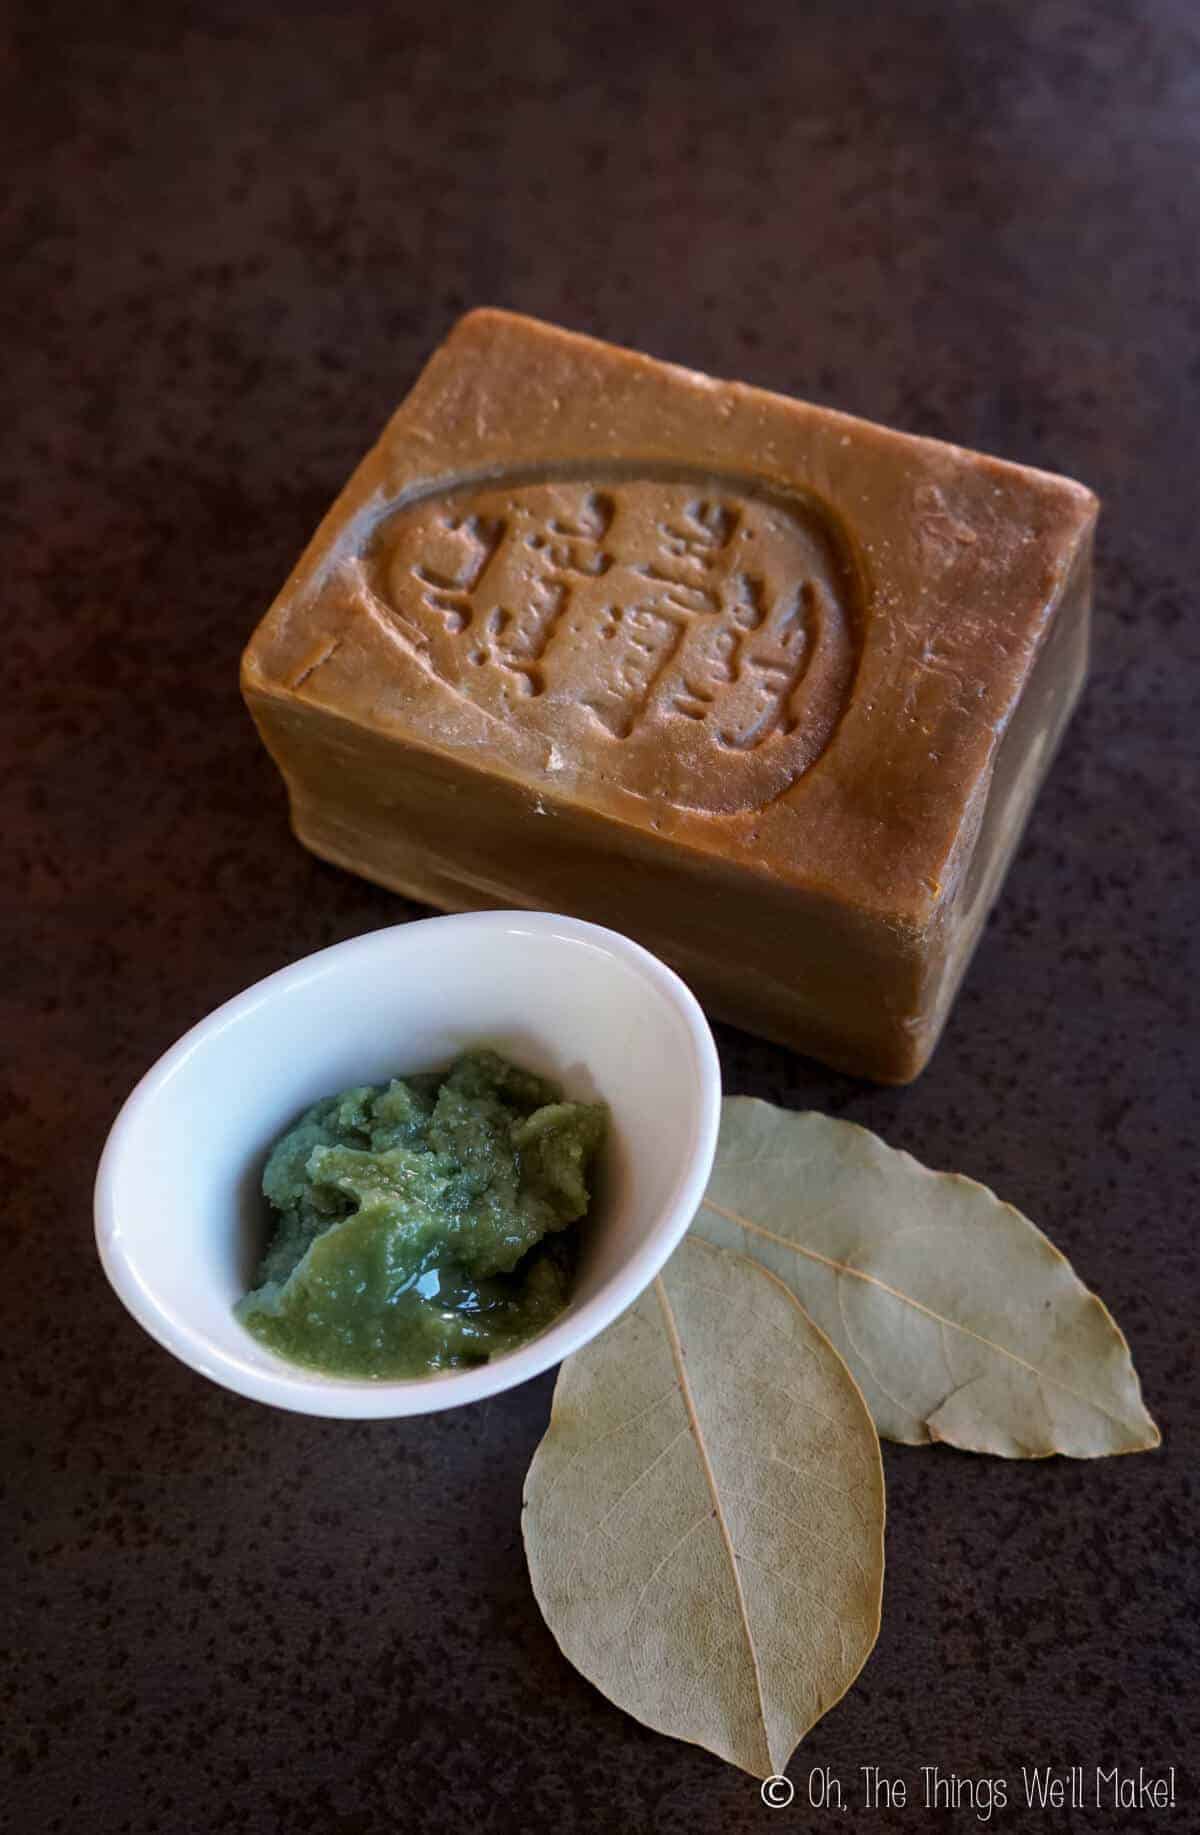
<point>179,1214</point>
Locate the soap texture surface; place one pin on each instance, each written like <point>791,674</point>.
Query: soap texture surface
<point>767,687</point>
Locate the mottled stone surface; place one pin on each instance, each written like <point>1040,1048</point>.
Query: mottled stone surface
<point>232,236</point>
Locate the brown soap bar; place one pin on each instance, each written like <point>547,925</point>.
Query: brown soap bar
<point>769,688</point>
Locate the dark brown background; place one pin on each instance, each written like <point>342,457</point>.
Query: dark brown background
<point>235,233</point>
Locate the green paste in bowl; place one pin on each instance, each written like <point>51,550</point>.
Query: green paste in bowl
<point>424,1224</point>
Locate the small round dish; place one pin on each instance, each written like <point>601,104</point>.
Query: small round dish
<point>179,1214</point>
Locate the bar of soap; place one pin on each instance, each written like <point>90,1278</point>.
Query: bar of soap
<point>767,687</point>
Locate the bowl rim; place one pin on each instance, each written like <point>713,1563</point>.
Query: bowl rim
<point>302,1391</point>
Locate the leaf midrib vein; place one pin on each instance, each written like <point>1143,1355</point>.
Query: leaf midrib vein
<point>873,1280</point>
<point>685,1389</point>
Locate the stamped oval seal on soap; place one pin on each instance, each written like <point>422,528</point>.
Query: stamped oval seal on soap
<point>675,634</point>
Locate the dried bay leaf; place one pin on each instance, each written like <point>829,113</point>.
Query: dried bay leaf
<point>704,1517</point>
<point>959,1320</point>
